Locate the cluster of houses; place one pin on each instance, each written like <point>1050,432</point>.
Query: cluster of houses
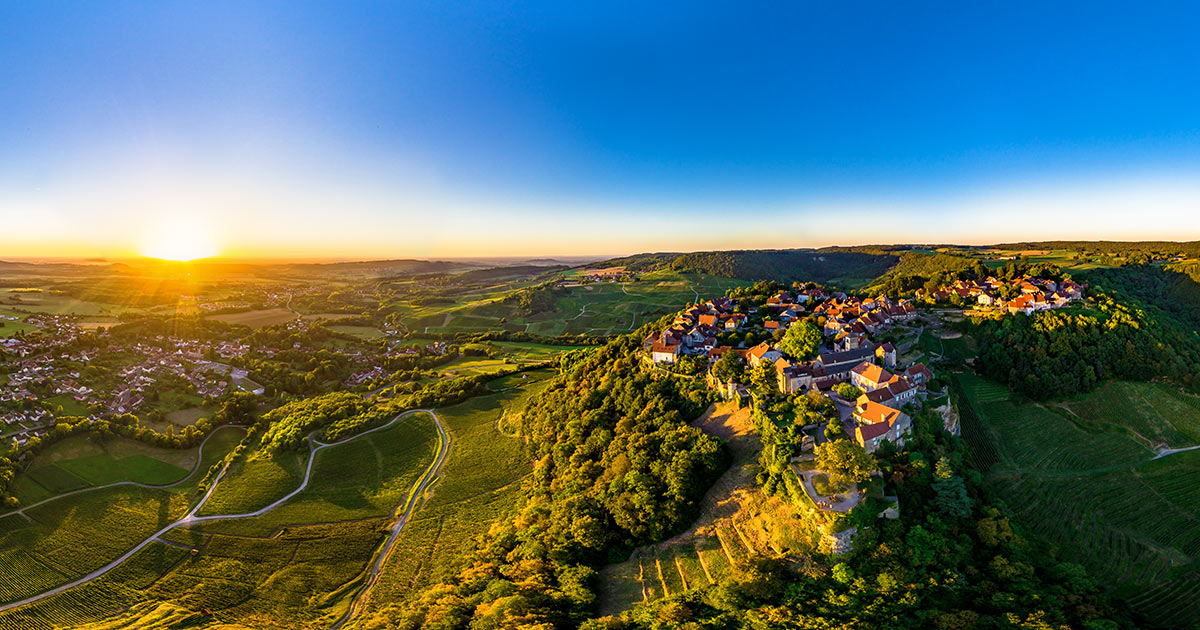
<point>26,372</point>
<point>1031,294</point>
<point>54,331</point>
<point>877,412</point>
<point>850,356</point>
<point>39,368</point>
<point>608,274</point>
<point>363,376</point>
<point>23,424</point>
<point>849,320</point>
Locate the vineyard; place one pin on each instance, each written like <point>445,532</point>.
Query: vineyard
<point>654,574</point>
<point>292,567</point>
<point>468,497</point>
<point>1082,476</point>
<point>363,478</point>
<point>70,538</point>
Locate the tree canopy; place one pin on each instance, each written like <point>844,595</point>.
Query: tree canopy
<point>845,461</point>
<point>801,341</point>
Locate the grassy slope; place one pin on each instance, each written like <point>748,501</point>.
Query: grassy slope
<point>80,461</point>
<point>1081,475</point>
<point>468,496</point>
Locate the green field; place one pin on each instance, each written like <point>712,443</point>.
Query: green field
<point>468,496</point>
<point>81,461</point>
<point>58,304</point>
<point>362,332</point>
<point>69,406</point>
<point>532,352</point>
<point>1082,475</point>
<point>12,328</point>
<point>954,349</point>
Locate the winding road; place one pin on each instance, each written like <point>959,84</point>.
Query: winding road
<point>138,484</point>
<point>191,518</point>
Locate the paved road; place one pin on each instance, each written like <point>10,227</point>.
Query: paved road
<point>1172,451</point>
<point>195,468</point>
<point>431,474</point>
<point>191,518</point>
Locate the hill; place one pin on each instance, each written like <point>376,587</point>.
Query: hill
<point>1083,475</point>
<point>843,266</point>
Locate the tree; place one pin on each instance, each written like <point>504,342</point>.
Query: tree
<point>848,391</point>
<point>765,378</point>
<point>729,367</point>
<point>801,341</point>
<point>237,408</point>
<point>845,461</point>
<point>950,493</point>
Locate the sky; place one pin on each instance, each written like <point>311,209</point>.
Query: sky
<point>443,129</point>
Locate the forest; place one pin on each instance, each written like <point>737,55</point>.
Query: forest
<point>817,265</point>
<point>615,465</point>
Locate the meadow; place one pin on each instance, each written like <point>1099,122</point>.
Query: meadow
<point>1082,475</point>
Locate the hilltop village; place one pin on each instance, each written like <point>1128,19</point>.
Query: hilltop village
<point>848,361</point>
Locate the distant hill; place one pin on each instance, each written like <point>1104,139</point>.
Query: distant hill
<point>915,268</point>
<point>1185,248</point>
<point>845,265</point>
<point>390,266</point>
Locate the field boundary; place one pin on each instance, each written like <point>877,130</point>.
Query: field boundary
<point>190,518</point>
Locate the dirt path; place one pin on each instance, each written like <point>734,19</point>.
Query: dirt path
<point>191,518</point>
<point>358,603</point>
<point>722,501</point>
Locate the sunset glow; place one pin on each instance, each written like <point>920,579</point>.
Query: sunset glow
<point>180,240</point>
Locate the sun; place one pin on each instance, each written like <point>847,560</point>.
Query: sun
<point>180,239</point>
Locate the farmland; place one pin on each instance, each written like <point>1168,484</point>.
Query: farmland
<point>293,566</point>
<point>596,308</point>
<point>467,497</point>
<point>257,319</point>
<point>81,462</point>
<point>1082,475</point>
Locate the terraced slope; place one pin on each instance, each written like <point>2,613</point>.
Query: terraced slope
<point>1084,475</point>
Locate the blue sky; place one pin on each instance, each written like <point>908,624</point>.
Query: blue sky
<point>444,128</point>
